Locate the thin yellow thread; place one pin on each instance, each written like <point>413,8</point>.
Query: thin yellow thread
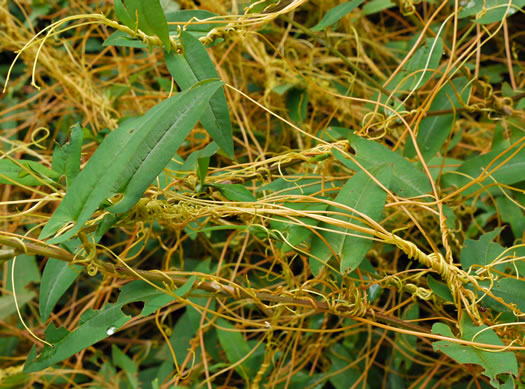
<point>18,309</point>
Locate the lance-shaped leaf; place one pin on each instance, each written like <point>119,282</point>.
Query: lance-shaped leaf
<point>508,173</point>
<point>235,347</point>
<point>337,13</point>
<point>150,16</point>
<point>434,130</point>
<point>407,179</point>
<point>19,172</point>
<point>129,159</point>
<point>235,192</point>
<point>364,195</point>
<point>123,15</point>
<point>57,278</point>
<point>66,159</point>
<point>194,65</point>
<point>153,13</point>
<point>97,325</point>
<point>419,68</point>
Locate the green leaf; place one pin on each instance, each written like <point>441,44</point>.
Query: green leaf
<point>66,159</point>
<point>120,38</point>
<point>199,29</point>
<point>235,192</point>
<point>202,170</point>
<point>339,358</point>
<point>153,14</point>
<point>481,252</point>
<point>56,279</point>
<point>73,152</point>
<point>164,299</point>
<point>151,18</point>
<point>504,137</point>
<point>125,363</point>
<point>26,273</point>
<point>123,16</point>
<point>510,173</point>
<point>191,162</point>
<point>300,185</point>
<point>297,104</point>
<point>135,11</point>
<point>94,326</point>
<point>494,363</point>
<point>294,233</point>
<point>12,173</point>
<point>511,290</point>
<point>235,347</point>
<point>495,10</point>
<point>440,289</point>
<point>195,65</point>
<point>406,345</point>
<point>364,195</point>
<point>419,68</point>
<point>511,213</point>
<point>129,159</point>
<point>434,130</point>
<point>376,6</point>
<point>407,179</point>
<point>337,13</point>
<point>188,324</point>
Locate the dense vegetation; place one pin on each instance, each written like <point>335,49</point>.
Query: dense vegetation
<point>279,194</point>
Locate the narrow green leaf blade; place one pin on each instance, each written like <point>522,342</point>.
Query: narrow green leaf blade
<point>57,278</point>
<point>434,130</point>
<point>202,169</point>
<point>125,363</point>
<point>66,158</point>
<point>339,357</point>
<point>297,104</point>
<point>406,345</point>
<point>129,159</point>
<point>94,326</point>
<point>511,213</point>
<point>177,21</point>
<point>508,174</point>
<point>364,195</point>
<point>136,12</point>
<point>407,179</point>
<point>123,16</point>
<point>420,67</point>
<point>73,152</point>
<point>375,6</point>
<point>26,272</point>
<point>90,332</point>
<point>495,10</point>
<point>337,13</point>
<point>235,347</point>
<point>440,289</point>
<point>294,233</point>
<point>235,192</point>
<point>164,299</point>
<point>120,38</point>
<point>154,148</point>
<point>12,173</point>
<point>155,18</point>
<point>195,65</point>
